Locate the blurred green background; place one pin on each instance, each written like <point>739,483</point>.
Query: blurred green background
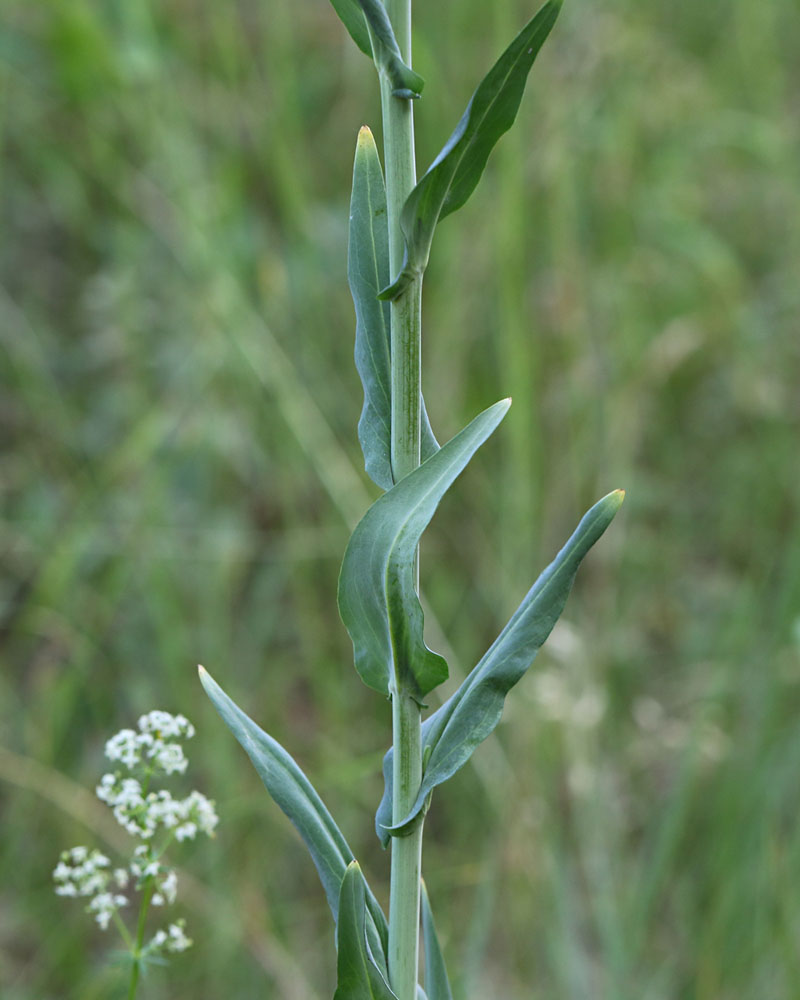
<point>180,473</point>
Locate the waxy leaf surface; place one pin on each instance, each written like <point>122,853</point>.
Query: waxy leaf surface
<point>358,975</point>
<point>472,712</point>
<point>377,597</point>
<point>406,83</point>
<point>295,795</point>
<point>437,984</point>
<point>454,174</point>
<point>367,273</point>
<point>352,17</point>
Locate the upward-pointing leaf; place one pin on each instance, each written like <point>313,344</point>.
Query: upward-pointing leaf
<point>367,273</point>
<point>296,796</point>
<point>436,982</point>
<point>358,975</point>
<point>454,174</point>
<point>367,263</point>
<point>377,597</point>
<point>471,714</point>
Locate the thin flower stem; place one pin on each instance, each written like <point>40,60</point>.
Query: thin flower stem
<point>138,947</point>
<point>119,923</point>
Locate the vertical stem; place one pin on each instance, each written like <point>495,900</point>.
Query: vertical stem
<point>137,953</point>
<point>398,134</point>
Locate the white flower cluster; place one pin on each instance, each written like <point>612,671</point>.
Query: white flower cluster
<point>150,751</point>
<point>172,939</point>
<point>142,815</point>
<point>82,872</point>
<point>154,744</point>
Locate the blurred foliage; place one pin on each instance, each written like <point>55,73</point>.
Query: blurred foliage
<point>180,473</point>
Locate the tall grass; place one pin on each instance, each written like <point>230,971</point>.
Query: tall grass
<point>168,223</point>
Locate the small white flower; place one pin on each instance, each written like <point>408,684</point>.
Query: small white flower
<point>178,941</point>
<point>158,940</point>
<point>86,875</point>
<point>124,746</point>
<point>162,724</point>
<point>104,905</point>
<point>169,886</point>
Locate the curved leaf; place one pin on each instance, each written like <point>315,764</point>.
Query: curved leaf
<point>454,174</point>
<point>377,596</point>
<point>296,796</point>
<point>436,982</point>
<point>352,17</point>
<point>388,58</point>
<point>367,273</point>
<point>358,975</point>
<point>472,712</point>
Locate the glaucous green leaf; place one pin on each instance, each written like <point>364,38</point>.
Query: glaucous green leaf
<point>454,174</point>
<point>367,273</point>
<point>358,975</point>
<point>472,712</point>
<point>352,17</point>
<point>436,982</point>
<point>405,82</point>
<point>296,796</point>
<point>377,597</point>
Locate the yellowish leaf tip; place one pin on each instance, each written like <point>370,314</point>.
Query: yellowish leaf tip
<point>365,135</point>
<point>201,669</point>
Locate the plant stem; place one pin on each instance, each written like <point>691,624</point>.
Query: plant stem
<point>406,318</point>
<point>137,952</point>
<point>404,896</point>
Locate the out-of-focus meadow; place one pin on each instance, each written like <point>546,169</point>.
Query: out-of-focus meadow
<point>180,474</point>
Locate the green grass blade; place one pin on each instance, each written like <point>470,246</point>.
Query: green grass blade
<point>454,174</point>
<point>377,596</point>
<point>358,975</point>
<point>296,796</point>
<point>472,712</point>
<point>405,82</point>
<point>352,17</point>
<point>367,273</point>
<point>436,982</point>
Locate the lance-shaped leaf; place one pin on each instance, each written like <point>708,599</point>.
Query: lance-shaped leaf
<point>367,273</point>
<point>377,597</point>
<point>352,17</point>
<point>296,796</point>
<point>472,712</point>
<point>358,975</point>
<point>454,174</point>
<point>386,52</point>
<point>436,982</point>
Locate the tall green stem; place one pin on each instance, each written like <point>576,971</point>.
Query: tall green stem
<point>398,138</point>
<point>137,953</point>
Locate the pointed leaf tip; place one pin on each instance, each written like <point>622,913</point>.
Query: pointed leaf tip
<point>454,174</point>
<point>472,712</point>
<point>295,795</point>
<point>378,602</point>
